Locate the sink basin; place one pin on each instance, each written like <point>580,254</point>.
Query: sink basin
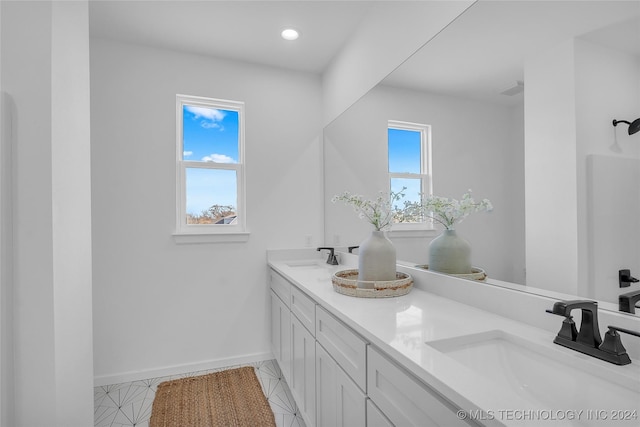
<point>545,376</point>
<point>308,264</point>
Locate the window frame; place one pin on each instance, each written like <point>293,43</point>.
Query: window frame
<point>227,232</point>
<point>425,175</point>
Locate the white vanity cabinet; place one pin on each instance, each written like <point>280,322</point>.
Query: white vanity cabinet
<point>404,400</point>
<point>303,370</point>
<point>293,342</point>
<point>344,345</point>
<point>304,308</point>
<point>281,334</point>
<point>375,418</point>
<point>340,402</point>
<point>336,377</point>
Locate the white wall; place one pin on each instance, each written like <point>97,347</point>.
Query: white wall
<point>551,171</point>
<point>163,307</point>
<point>473,146</point>
<point>515,194</point>
<point>45,83</point>
<point>71,212</point>
<point>387,36</point>
<point>6,258</point>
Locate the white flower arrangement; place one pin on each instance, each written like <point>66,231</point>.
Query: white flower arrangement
<point>379,212</point>
<point>447,212</point>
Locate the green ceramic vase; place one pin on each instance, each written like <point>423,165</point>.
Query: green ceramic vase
<point>450,253</point>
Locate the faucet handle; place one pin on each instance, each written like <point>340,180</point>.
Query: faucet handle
<point>613,344</point>
<point>625,279</point>
<point>613,330</point>
<point>568,330</point>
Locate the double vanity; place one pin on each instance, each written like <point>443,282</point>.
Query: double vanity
<point>451,352</point>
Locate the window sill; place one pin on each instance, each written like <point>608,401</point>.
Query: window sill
<point>196,238</point>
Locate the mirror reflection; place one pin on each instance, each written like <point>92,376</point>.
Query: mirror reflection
<point>519,99</point>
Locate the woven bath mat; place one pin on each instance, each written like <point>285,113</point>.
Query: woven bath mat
<point>227,398</point>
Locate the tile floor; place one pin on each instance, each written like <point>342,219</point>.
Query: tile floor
<point>129,404</point>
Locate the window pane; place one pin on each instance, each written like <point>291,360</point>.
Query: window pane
<point>404,151</point>
<point>209,134</point>
<point>411,194</point>
<point>211,196</point>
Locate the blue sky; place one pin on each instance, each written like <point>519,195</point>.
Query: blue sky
<point>404,157</point>
<point>404,151</point>
<point>208,187</point>
<point>210,135</point>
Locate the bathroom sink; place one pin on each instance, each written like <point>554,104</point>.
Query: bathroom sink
<point>308,264</point>
<point>545,376</point>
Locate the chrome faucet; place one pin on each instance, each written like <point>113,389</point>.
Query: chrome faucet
<point>627,302</point>
<point>588,339</point>
<point>332,260</point>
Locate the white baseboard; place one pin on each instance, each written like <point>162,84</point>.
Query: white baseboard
<point>179,369</point>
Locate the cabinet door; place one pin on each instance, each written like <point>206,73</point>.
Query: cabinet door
<point>340,402</point>
<point>351,402</point>
<point>303,371</point>
<point>326,409</point>
<point>281,334</point>
<point>375,418</point>
<point>405,400</point>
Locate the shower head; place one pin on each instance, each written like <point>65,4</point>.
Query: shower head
<point>633,126</point>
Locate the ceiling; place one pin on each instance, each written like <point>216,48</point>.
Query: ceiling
<point>483,51</point>
<point>240,30</point>
<point>479,55</point>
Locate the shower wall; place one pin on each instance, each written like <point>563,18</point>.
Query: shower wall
<point>613,223</point>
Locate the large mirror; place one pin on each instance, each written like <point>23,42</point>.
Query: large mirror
<point>519,98</point>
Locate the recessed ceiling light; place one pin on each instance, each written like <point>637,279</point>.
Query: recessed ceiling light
<point>289,34</point>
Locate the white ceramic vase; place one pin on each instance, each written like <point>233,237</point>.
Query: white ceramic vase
<point>450,253</point>
<point>376,258</point>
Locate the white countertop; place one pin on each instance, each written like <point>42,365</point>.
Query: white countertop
<point>402,326</point>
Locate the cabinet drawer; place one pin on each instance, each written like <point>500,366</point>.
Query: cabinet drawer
<point>405,400</point>
<point>281,287</point>
<point>344,345</point>
<point>304,308</point>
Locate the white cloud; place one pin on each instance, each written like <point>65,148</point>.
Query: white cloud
<point>187,153</point>
<point>218,158</point>
<point>209,125</point>
<point>210,116</point>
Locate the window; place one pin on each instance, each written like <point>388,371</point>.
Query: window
<point>210,166</point>
<point>410,162</point>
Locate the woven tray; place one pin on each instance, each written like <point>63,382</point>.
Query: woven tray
<point>476,273</point>
<point>346,282</point>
